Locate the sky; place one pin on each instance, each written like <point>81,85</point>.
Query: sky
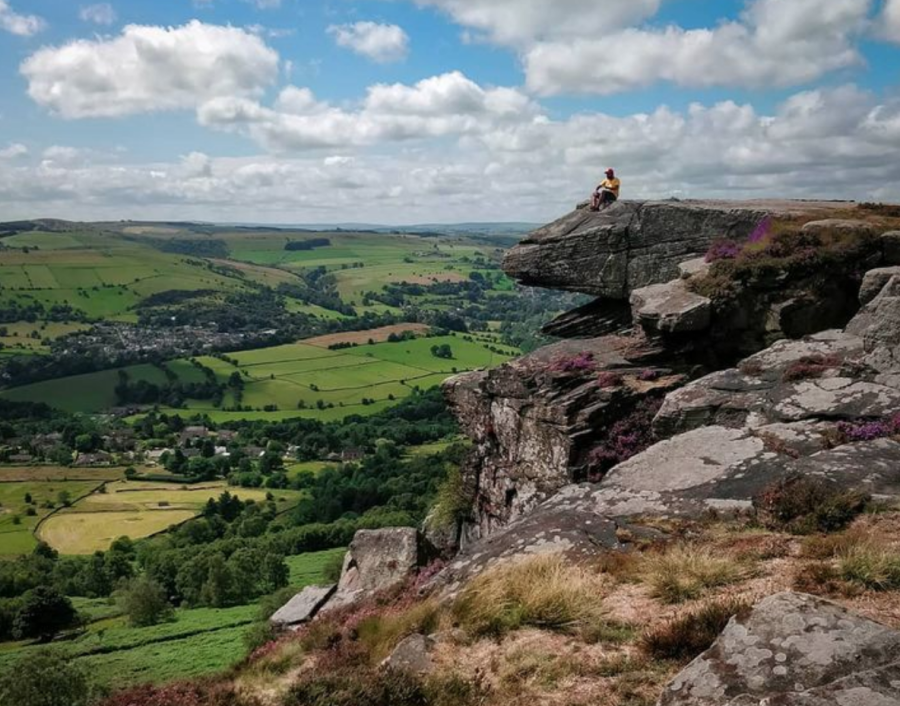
<point>429,111</point>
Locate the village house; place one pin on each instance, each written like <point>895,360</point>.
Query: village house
<point>190,434</point>
<point>97,458</point>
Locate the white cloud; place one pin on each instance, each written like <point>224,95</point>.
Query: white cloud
<point>890,21</point>
<point>13,150</point>
<point>835,143</point>
<point>523,22</point>
<point>157,69</point>
<point>266,4</point>
<point>379,42</point>
<point>23,25</point>
<point>775,43</point>
<point>101,14</point>
<point>440,106</point>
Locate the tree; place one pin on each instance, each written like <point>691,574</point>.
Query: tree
<point>44,613</point>
<point>45,678</point>
<point>145,603</point>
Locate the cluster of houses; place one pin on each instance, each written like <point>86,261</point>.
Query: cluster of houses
<point>121,447</point>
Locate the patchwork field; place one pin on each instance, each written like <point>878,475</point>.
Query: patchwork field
<point>295,380</point>
<point>104,276</point>
<point>136,509</point>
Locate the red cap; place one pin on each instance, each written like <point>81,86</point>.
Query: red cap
<point>610,171</point>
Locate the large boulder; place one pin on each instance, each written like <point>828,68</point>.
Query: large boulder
<point>378,560</point>
<point>794,650</point>
<point>627,246</point>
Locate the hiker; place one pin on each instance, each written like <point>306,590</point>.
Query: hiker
<point>607,192</point>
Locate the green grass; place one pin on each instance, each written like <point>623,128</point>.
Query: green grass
<point>199,642</point>
<point>16,539</point>
<point>287,376</point>
<point>137,509</point>
<point>306,569</point>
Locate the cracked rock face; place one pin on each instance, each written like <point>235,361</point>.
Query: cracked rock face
<point>534,425</point>
<point>794,650</point>
<point>628,246</point>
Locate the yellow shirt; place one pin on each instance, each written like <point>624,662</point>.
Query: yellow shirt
<point>613,185</point>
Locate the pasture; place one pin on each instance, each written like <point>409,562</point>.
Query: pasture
<point>136,509</point>
<point>294,380</point>
<point>19,518</point>
<point>104,275</point>
<point>198,642</point>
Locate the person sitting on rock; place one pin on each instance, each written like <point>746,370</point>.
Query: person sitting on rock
<point>607,192</point>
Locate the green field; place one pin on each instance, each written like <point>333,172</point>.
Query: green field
<point>199,642</point>
<point>16,525</point>
<point>295,378</point>
<point>136,509</point>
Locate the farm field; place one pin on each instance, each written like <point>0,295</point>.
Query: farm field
<point>104,276</point>
<point>136,509</point>
<point>18,518</point>
<point>294,380</point>
<point>200,641</point>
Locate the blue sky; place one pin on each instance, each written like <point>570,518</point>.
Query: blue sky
<point>406,111</point>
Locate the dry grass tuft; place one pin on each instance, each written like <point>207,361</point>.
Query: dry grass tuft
<point>871,566</point>
<point>692,633</point>
<point>545,592</point>
<point>685,572</point>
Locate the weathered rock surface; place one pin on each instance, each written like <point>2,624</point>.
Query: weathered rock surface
<point>376,561</point>
<point>412,655</point>
<point>534,424</point>
<point>571,522</point>
<point>875,281</point>
<point>794,650</point>
<point>628,246</point>
<point>847,225</point>
<point>302,607</point>
<point>670,308</point>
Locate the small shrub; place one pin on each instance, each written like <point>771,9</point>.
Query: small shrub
<point>830,546</point>
<point>608,379</point>
<point>544,592</point>
<point>871,566</point>
<point>689,635</point>
<point>45,678</point>
<point>817,577</point>
<point>649,375</point>
<point>809,367</point>
<point>723,250</point>
<point>803,505</point>
<point>383,688</point>
<point>381,633</point>
<point>686,572</point>
<point>869,430</point>
<point>259,635</point>
<point>580,363</point>
<point>625,439</point>
<point>145,603</point>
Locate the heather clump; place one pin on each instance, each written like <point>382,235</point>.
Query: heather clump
<point>804,505</point>
<point>608,379</point>
<point>772,256</point>
<point>579,363</point>
<point>810,367</point>
<point>870,430</point>
<point>625,439</point>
